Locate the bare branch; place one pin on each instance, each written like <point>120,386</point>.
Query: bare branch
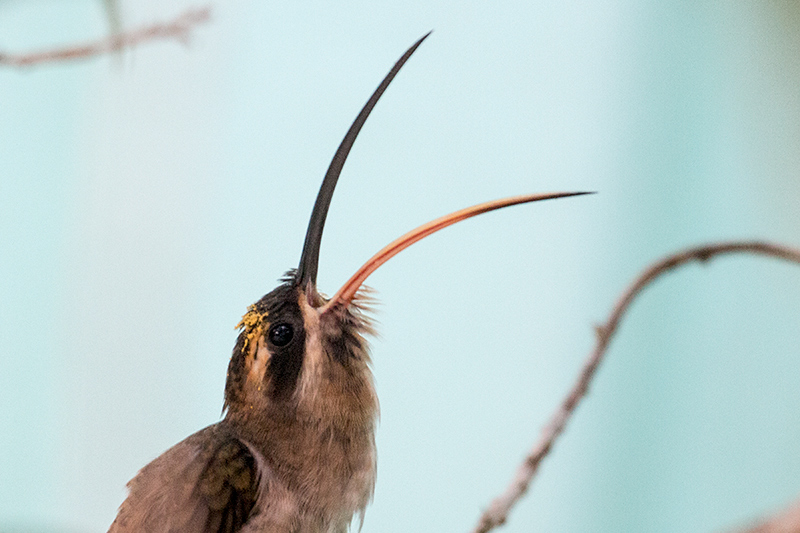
<point>497,513</point>
<point>179,29</point>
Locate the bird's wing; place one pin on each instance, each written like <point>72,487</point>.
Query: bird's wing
<point>208,483</point>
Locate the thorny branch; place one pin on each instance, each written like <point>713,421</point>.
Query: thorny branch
<point>497,513</point>
<point>179,28</point>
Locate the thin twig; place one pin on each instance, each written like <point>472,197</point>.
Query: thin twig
<point>113,16</point>
<point>179,28</point>
<point>497,513</point>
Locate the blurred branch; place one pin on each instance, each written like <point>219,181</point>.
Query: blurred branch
<point>179,29</point>
<point>497,513</point>
<point>786,521</point>
<point>113,16</point>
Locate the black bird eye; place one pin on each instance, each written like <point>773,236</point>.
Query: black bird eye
<point>281,334</point>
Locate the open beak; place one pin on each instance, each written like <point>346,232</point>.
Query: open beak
<point>348,291</point>
<point>306,274</point>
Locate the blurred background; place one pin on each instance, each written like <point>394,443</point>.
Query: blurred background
<point>147,197</point>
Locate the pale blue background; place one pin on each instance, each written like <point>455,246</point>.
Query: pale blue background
<point>146,199</point>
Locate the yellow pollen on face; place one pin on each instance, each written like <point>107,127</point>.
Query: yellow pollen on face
<point>253,323</point>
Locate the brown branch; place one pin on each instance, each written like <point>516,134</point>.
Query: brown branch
<point>179,28</point>
<point>497,513</point>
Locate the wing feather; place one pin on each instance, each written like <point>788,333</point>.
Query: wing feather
<point>208,483</point>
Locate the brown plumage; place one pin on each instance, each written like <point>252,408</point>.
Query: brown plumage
<point>296,449</point>
<point>295,452</point>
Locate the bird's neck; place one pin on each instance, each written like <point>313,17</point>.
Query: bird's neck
<point>333,401</point>
<point>321,447</point>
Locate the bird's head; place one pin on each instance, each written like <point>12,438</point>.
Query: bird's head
<point>299,351</point>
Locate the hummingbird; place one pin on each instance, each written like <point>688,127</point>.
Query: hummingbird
<point>295,450</point>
